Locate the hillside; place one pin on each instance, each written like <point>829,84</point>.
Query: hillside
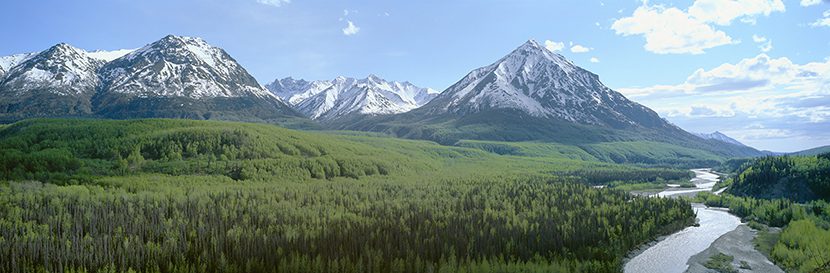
<point>814,151</point>
<point>798,178</point>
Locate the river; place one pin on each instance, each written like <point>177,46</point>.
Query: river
<point>671,254</point>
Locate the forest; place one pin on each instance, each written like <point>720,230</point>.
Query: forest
<point>205,196</point>
<point>799,178</point>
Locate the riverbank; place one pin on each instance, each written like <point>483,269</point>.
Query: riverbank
<point>738,244</point>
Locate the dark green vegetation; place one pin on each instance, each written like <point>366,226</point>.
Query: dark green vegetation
<point>798,178</point>
<point>721,263</point>
<point>649,153</point>
<point>775,191</point>
<point>199,196</point>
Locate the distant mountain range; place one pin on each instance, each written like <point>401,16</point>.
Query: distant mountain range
<point>531,94</point>
<point>330,100</point>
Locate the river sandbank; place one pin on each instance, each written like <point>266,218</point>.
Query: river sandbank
<point>738,244</point>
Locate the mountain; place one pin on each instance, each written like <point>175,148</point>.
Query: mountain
<point>58,81</point>
<point>329,100</point>
<point>8,62</point>
<point>175,77</point>
<point>183,77</point>
<point>539,83</point>
<point>719,137</point>
<point>533,94</point>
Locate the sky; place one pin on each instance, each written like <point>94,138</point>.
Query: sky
<point>756,70</point>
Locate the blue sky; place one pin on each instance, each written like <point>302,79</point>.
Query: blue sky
<point>757,70</point>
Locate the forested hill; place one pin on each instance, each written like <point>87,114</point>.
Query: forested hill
<point>77,150</point>
<point>798,178</point>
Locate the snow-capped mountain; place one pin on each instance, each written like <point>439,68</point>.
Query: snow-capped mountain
<point>719,137</point>
<point>342,96</point>
<point>179,67</point>
<point>62,69</point>
<point>184,77</point>
<point>540,83</point>
<point>533,94</point>
<point>57,81</point>
<point>173,77</point>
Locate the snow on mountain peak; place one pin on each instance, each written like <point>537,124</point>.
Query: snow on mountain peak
<point>343,95</point>
<point>109,55</point>
<point>178,66</point>
<point>61,69</point>
<point>541,83</point>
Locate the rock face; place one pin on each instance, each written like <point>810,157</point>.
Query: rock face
<point>56,82</point>
<point>175,77</point>
<point>539,83</point>
<point>341,97</point>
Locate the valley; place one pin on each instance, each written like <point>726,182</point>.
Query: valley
<point>173,158</point>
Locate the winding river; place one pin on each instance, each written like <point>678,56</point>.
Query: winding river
<point>672,253</point>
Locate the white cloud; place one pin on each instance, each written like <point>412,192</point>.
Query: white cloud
<point>579,49</point>
<point>807,3</point>
<point>351,29</point>
<point>765,45</point>
<point>767,93</point>
<point>722,12</point>
<point>758,39</point>
<point>594,60</point>
<point>554,46</point>
<point>275,3</point>
<point>670,31</point>
<point>823,22</point>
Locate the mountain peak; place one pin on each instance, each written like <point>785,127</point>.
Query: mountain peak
<point>540,83</point>
<point>178,66</point>
<point>63,49</point>
<point>532,44</point>
<point>61,70</point>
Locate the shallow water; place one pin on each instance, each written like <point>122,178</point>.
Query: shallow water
<point>672,253</point>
